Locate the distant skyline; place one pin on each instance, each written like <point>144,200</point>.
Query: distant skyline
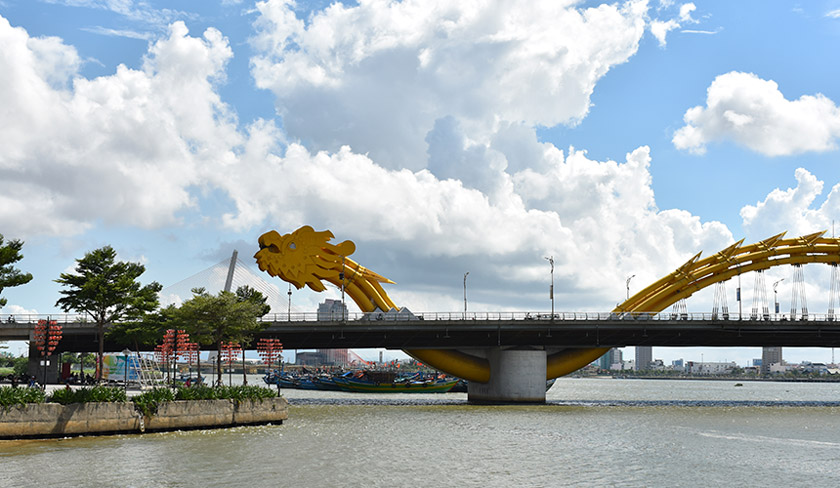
<point>441,137</point>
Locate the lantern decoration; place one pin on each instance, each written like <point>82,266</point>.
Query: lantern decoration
<point>230,351</point>
<point>166,352</point>
<point>182,339</point>
<point>269,350</point>
<point>47,335</point>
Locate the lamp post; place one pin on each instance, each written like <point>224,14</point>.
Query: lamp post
<point>126,352</point>
<point>341,277</point>
<point>776,297</point>
<point>551,290</point>
<point>628,285</point>
<point>465,294</point>
<point>290,302</point>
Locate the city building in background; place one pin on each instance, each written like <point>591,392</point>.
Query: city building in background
<point>769,357</point>
<point>644,356</point>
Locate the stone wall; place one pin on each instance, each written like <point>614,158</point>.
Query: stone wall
<point>55,420</point>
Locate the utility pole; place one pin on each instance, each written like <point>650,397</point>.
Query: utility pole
<point>465,294</point>
<point>628,285</point>
<point>551,290</point>
<point>776,296</point>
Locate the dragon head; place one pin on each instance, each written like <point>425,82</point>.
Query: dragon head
<point>304,257</point>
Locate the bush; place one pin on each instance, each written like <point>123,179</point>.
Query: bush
<point>200,392</point>
<point>147,403</point>
<point>20,396</point>
<point>85,395</point>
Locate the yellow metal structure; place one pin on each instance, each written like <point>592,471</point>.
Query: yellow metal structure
<point>305,257</point>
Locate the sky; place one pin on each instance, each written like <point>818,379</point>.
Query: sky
<point>441,137</point>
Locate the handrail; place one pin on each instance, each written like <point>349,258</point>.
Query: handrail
<point>12,320</point>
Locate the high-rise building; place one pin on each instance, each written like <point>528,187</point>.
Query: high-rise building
<point>609,358</point>
<point>332,310</point>
<point>770,356</point>
<point>644,356</point>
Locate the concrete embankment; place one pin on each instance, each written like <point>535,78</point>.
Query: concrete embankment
<point>55,420</point>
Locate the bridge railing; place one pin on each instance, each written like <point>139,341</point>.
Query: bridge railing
<point>538,316</point>
<point>15,320</point>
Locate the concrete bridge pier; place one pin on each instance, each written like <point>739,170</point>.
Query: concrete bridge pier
<point>36,367</point>
<point>516,376</point>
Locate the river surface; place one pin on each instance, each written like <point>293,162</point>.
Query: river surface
<point>591,432</point>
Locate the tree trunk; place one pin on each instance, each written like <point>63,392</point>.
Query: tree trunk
<point>101,329</point>
<point>219,364</point>
<point>244,377</point>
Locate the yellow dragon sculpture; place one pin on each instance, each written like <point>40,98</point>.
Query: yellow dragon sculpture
<point>305,257</point>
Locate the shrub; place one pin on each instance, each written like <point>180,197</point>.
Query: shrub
<point>147,403</point>
<point>85,395</point>
<point>200,392</point>
<point>20,396</point>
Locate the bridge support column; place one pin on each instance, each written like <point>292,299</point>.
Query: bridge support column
<point>516,376</point>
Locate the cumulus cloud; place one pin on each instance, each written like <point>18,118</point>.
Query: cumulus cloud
<point>753,112</point>
<point>340,75</point>
<point>123,149</point>
<point>792,209</point>
<point>131,148</point>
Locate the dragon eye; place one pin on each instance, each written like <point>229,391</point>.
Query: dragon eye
<point>292,246</point>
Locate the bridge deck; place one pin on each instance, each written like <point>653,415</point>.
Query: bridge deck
<point>590,330</point>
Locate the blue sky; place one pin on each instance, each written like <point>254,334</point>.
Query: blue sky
<point>620,138</point>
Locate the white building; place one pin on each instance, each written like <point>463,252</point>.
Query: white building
<point>695,367</point>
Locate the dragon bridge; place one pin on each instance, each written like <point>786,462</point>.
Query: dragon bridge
<point>306,257</point>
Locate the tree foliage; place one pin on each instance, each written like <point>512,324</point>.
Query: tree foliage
<point>144,334</point>
<point>213,319</point>
<point>246,293</point>
<point>9,275</point>
<point>107,291</point>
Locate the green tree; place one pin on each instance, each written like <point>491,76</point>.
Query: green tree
<point>145,333</point>
<point>246,293</point>
<point>213,319</point>
<point>107,291</point>
<point>9,275</point>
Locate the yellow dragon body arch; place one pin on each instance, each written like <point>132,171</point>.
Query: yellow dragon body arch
<point>305,258</point>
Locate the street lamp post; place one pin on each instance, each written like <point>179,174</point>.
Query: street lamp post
<point>776,296</point>
<point>551,290</point>
<point>465,294</point>
<point>628,285</point>
<point>341,277</point>
<point>290,302</point>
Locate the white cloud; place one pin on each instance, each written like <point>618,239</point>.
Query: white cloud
<point>792,209</point>
<point>137,11</point>
<point>834,14</point>
<point>127,149</point>
<point>378,76</point>
<point>660,28</point>
<point>131,34</point>
<point>753,112</point>
<point>121,149</point>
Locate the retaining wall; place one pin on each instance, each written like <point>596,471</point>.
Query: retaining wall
<point>55,420</point>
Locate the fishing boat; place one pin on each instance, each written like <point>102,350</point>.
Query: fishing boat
<point>389,382</point>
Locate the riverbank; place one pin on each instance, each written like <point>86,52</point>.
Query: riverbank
<point>826,379</point>
<point>49,420</point>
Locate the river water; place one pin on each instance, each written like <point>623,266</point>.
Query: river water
<point>591,432</point>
